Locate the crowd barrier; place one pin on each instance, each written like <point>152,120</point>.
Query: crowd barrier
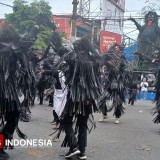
<point>150,96</point>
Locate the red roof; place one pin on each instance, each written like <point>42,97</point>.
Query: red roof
<point>64,23</point>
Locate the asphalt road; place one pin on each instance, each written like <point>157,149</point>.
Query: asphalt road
<point>135,138</point>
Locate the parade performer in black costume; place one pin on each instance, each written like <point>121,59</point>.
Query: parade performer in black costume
<point>16,76</point>
<point>81,69</point>
<point>117,80</point>
<point>50,81</point>
<point>45,82</point>
<point>132,91</point>
<point>41,86</point>
<point>35,60</point>
<point>134,87</point>
<point>157,97</point>
<point>57,99</point>
<point>156,110</point>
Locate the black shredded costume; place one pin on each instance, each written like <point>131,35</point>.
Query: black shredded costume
<point>16,76</point>
<point>117,77</point>
<point>81,68</point>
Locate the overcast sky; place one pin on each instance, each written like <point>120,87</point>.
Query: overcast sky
<point>65,6</point>
<point>133,8</point>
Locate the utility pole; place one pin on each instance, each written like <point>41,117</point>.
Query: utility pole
<point>74,17</point>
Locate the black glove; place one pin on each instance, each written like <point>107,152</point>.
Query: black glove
<point>44,20</point>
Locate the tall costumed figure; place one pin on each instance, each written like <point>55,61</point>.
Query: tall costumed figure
<point>148,39</point>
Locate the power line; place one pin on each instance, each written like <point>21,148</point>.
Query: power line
<point>131,31</point>
<point>6,5</point>
<point>124,12</point>
<point>113,19</point>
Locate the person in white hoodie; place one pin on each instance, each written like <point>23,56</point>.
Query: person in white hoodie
<point>59,99</point>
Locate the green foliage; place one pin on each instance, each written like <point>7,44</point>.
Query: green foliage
<point>42,38</point>
<point>23,18</point>
<point>64,34</point>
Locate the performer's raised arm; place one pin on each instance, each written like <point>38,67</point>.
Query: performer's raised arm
<point>139,27</point>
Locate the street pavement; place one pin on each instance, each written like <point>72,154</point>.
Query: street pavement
<point>135,138</point>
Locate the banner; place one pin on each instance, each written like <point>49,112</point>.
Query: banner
<point>107,39</point>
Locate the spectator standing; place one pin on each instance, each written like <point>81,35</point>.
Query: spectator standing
<point>144,89</point>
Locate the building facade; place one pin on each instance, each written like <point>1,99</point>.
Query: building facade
<point>112,23</point>
<point>63,23</point>
<point>113,14</point>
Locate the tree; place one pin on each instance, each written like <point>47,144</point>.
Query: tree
<point>23,18</point>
